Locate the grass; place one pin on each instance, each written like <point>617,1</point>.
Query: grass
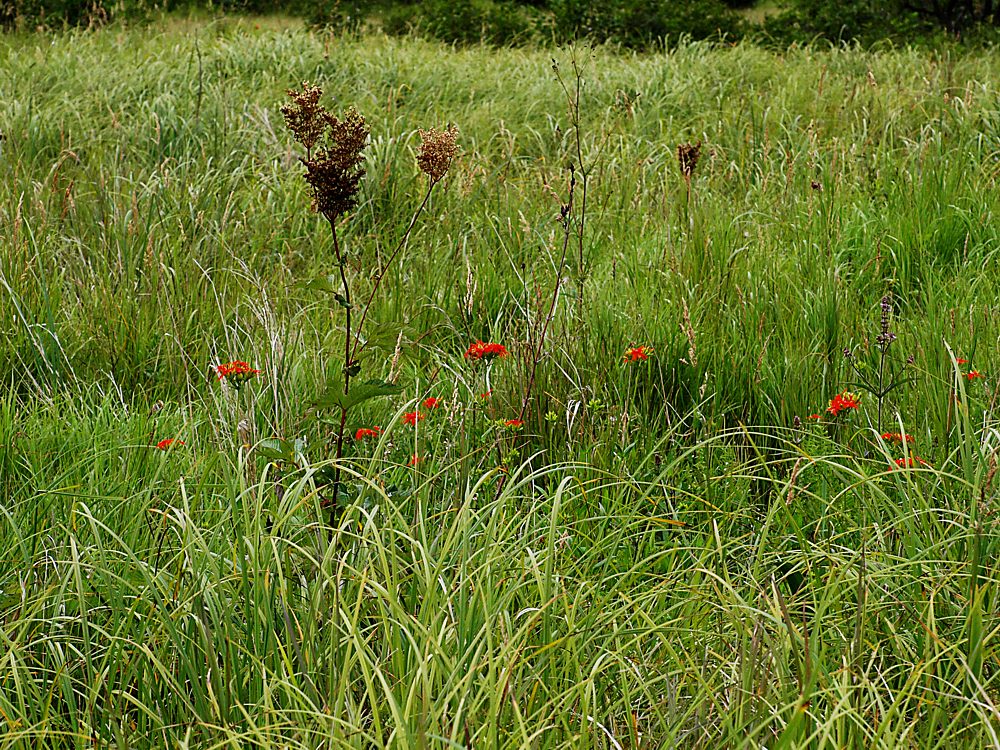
<point>663,556</point>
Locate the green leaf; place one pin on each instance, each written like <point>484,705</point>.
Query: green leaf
<point>277,449</point>
<point>360,392</point>
<point>342,300</point>
<point>329,284</point>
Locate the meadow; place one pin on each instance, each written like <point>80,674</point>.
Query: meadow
<point>726,480</point>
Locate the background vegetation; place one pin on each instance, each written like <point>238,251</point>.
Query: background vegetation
<point>668,553</point>
<point>636,24</point>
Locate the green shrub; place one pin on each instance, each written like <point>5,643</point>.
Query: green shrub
<point>635,23</point>
<point>347,16</point>
<point>871,21</point>
<point>470,21</point>
<point>31,14</point>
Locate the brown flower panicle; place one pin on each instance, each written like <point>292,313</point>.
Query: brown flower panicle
<point>438,149</point>
<point>336,171</point>
<point>334,150</point>
<point>688,155</point>
<point>304,115</point>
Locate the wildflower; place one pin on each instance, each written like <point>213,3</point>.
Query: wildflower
<point>481,350</point>
<point>896,437</point>
<point>485,396</point>
<point>364,433</point>
<point>164,444</point>
<point>815,416</point>
<point>412,417</point>
<point>910,463</point>
<point>842,402</point>
<point>972,375</point>
<point>415,459</point>
<point>236,372</point>
<point>437,151</point>
<point>637,353</point>
<point>513,424</point>
<point>962,361</point>
<point>432,403</point>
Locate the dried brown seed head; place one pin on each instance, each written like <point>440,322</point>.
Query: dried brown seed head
<point>347,139</point>
<point>687,157</point>
<point>337,168</point>
<point>438,149</point>
<point>304,115</point>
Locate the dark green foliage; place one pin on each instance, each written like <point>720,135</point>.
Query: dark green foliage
<point>341,15</point>
<point>31,14</point>
<point>636,23</point>
<point>864,21</point>
<point>471,21</point>
<point>871,21</point>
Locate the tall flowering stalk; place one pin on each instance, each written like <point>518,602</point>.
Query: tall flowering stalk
<point>885,379</point>
<point>334,163</point>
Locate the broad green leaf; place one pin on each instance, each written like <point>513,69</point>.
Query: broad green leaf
<point>329,284</point>
<point>360,392</point>
<point>277,449</point>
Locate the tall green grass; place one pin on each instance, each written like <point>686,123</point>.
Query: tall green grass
<point>662,557</point>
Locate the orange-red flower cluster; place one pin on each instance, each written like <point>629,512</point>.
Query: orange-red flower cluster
<point>638,353</point>
<point>164,444</point>
<point>432,403</point>
<point>514,424</point>
<point>412,417</point>
<point>910,463</point>
<point>237,372</point>
<point>842,402</point>
<point>364,433</point>
<point>970,376</point>
<point>480,350</point>
<point>415,459</point>
<point>896,437</point>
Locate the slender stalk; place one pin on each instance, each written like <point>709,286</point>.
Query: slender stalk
<point>347,372</point>
<point>537,352</point>
<point>573,104</point>
<point>385,267</point>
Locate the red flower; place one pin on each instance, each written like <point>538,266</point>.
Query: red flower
<point>164,444</point>
<point>412,417</point>
<point>910,463</point>
<point>480,350</point>
<point>895,437</point>
<point>637,353</point>
<point>366,432</point>
<point>970,376</point>
<point>815,416</point>
<point>415,459</point>
<point>842,402</point>
<point>486,395</point>
<point>432,403</point>
<point>962,361</point>
<point>514,424</point>
<point>237,372</point>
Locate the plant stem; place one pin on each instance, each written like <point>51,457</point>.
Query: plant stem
<point>537,353</point>
<point>385,267</point>
<point>347,372</point>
